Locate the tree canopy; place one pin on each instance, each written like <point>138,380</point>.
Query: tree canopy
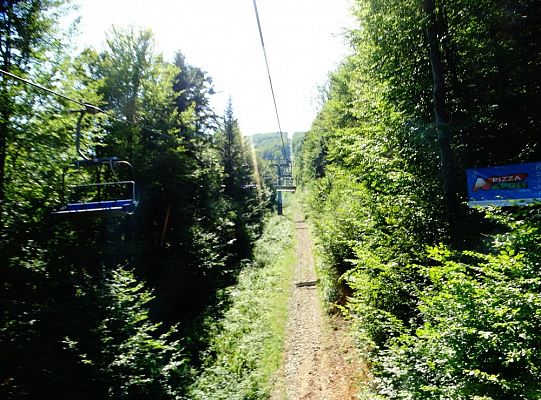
<point>104,307</point>
<point>444,299</point>
<point>431,88</point>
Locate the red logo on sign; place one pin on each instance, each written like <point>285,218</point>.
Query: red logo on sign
<point>500,182</point>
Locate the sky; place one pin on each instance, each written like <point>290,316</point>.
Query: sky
<point>304,40</point>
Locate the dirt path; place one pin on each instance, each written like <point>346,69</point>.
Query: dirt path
<point>320,360</point>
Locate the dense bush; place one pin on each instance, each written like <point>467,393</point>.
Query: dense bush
<point>457,321</point>
<point>246,344</point>
<point>481,324</point>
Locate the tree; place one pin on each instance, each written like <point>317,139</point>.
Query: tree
<point>78,319</point>
<point>434,26</point>
<point>27,37</point>
<point>234,159</point>
<point>382,188</point>
<point>135,362</point>
<point>238,175</point>
<point>193,87</point>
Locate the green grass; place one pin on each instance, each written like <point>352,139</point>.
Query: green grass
<point>246,346</point>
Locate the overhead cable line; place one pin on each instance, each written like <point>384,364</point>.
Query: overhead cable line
<point>88,106</point>
<point>37,85</point>
<point>284,152</point>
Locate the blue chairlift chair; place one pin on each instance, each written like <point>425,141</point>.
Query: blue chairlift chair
<point>113,197</point>
<point>94,197</point>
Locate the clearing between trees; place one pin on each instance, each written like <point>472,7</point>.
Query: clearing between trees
<point>320,361</point>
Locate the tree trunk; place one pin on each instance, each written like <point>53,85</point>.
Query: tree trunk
<point>3,144</point>
<point>440,114</point>
<point>5,49</point>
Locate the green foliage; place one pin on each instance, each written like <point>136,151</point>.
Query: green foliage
<point>269,145</point>
<point>246,343</point>
<point>29,41</point>
<point>370,208</point>
<point>296,143</point>
<point>137,361</point>
<point>480,325</point>
<point>73,323</point>
<point>370,244</point>
<point>193,88</point>
<point>448,323</point>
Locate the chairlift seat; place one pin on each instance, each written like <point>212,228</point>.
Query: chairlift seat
<point>105,207</point>
<point>109,198</point>
<point>285,183</point>
<point>97,161</point>
<point>124,206</point>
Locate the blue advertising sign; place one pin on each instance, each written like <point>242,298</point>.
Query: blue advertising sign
<point>505,185</point>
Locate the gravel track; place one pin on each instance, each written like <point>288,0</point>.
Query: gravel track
<point>320,361</point>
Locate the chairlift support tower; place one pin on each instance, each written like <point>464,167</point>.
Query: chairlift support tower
<point>284,181</point>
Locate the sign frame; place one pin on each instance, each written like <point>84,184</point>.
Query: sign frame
<point>504,185</point>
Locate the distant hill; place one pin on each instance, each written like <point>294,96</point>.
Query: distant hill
<point>268,146</point>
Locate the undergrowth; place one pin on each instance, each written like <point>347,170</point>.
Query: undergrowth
<point>246,344</point>
<point>329,282</point>
<point>436,322</point>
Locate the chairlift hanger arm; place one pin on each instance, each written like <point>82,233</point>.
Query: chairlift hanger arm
<point>78,136</point>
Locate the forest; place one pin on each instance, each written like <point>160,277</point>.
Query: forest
<point>112,307</point>
<point>162,302</point>
<point>443,298</point>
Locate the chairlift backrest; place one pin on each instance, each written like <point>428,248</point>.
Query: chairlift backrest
<point>285,184</point>
<point>112,197</point>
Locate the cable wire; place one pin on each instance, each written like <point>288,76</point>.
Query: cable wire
<point>284,152</point>
<point>88,107</point>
